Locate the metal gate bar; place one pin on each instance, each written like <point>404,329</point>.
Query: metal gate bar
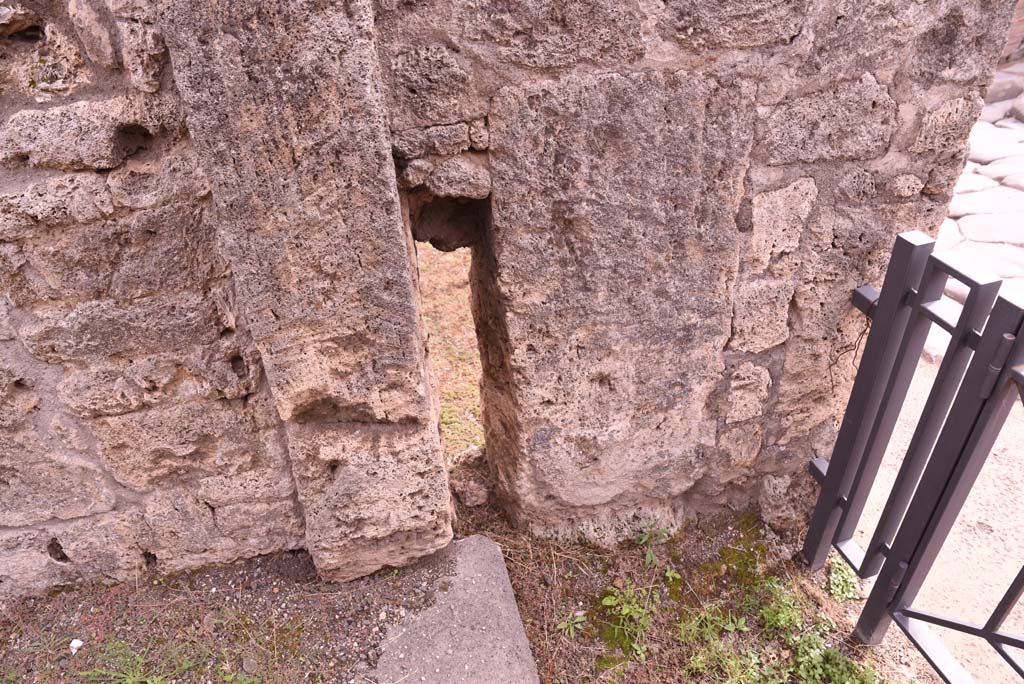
<point>889,319</point>
<point>961,449</point>
<point>898,335</point>
<point>964,337</point>
<point>980,378</point>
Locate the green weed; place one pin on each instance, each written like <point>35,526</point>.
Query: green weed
<point>842,582</point>
<point>570,625</point>
<point>630,611</point>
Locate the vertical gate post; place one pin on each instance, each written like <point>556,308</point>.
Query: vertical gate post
<point>906,266</point>
<point>977,414</point>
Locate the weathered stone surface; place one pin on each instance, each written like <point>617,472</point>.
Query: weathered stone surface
<point>461,176</point>
<point>38,484</point>
<point>734,23</point>
<point>81,135</point>
<point>338,329</point>
<point>748,392</point>
<point>94,24</point>
<point>851,120</point>
<point>778,220</point>
<point>210,340</point>
<point>761,313</point>
<point>577,377</point>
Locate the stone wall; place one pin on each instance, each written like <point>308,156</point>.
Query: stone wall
<point>210,339</point>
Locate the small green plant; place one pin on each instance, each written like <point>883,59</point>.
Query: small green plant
<point>671,575</point>
<point>647,540</point>
<point>570,625</point>
<point>630,611</point>
<point>780,613</point>
<point>842,583</point>
<point>124,666</point>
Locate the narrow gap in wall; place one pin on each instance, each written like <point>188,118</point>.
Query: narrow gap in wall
<point>448,231</point>
<point>445,232</point>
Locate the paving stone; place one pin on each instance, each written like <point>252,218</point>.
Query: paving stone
<point>935,344</point>
<point>1005,228</point>
<point>989,143</point>
<point>949,236</point>
<point>1001,200</point>
<point>1011,123</point>
<point>973,182</point>
<point>1015,181</point>
<point>472,634</point>
<point>996,111</point>
<point>1005,86</point>
<point>1001,168</point>
<point>1017,108</point>
<point>1005,261</point>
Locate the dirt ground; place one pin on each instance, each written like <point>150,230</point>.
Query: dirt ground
<point>720,601</point>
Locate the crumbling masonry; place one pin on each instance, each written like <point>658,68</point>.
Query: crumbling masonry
<point>210,339</point>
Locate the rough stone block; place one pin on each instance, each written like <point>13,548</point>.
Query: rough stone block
<point>851,120</point>
<point>733,23</point>
<point>577,374</point>
<point>39,483</point>
<point>778,219</point>
<point>761,315</point>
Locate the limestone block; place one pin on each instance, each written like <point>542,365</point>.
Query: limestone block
<point>81,135</point>
<point>17,397</point>
<point>262,526</point>
<point>556,33</point>
<point>733,23</point>
<point>94,25</point>
<point>479,136</point>
<point>742,445</point>
<point>309,219</point>
<point>748,391</point>
<point>353,523</point>
<point>418,142</point>
<point>38,483</point>
<point>16,18</point>
<point>850,120</point>
<point>143,53</point>
<point>26,567</point>
<point>944,128</point>
<point>148,183</point>
<point>461,176</point>
<point>103,328</point>
<point>149,449</point>
<point>181,531</point>
<point>72,198</point>
<point>761,314</point>
<point>778,219</point>
<point>106,547</point>
<point>588,418</point>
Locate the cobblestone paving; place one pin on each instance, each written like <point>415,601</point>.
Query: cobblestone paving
<point>986,216</point>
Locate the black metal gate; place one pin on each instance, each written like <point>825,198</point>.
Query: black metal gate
<point>980,376</point>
